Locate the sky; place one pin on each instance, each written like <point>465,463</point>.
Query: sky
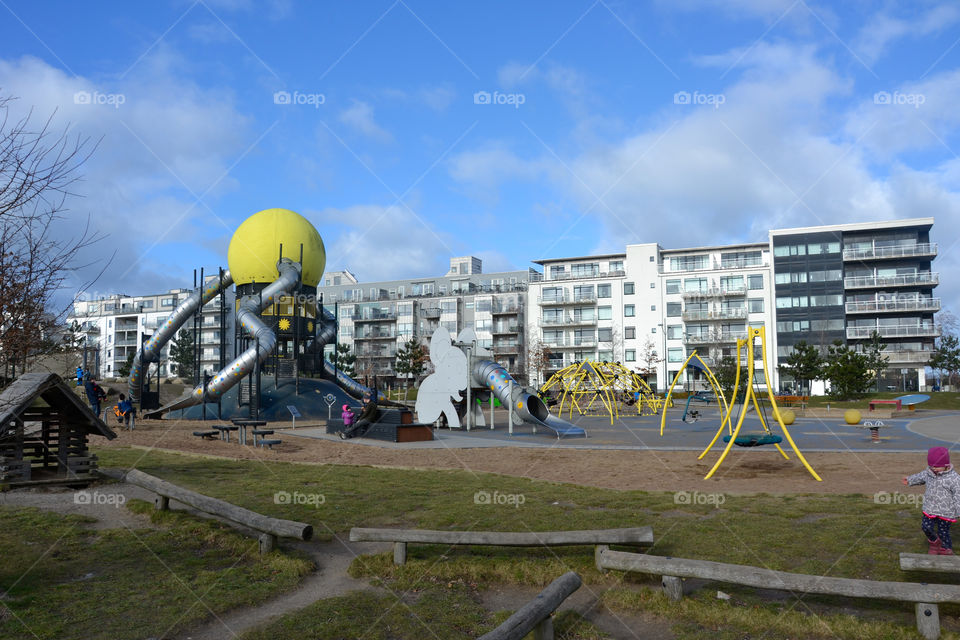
<point>411,131</point>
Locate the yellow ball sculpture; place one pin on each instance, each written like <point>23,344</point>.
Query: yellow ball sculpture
<point>255,247</point>
<point>788,417</point>
<point>852,416</point>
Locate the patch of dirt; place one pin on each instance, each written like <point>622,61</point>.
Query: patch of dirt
<point>105,503</point>
<point>743,472</point>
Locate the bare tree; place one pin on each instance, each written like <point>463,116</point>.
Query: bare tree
<point>538,358</point>
<point>649,359</point>
<point>39,169</point>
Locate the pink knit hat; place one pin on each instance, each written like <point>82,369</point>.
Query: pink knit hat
<point>345,407</point>
<point>938,457</point>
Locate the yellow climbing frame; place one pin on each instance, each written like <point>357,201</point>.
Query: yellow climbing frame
<point>600,388</point>
<point>752,334</point>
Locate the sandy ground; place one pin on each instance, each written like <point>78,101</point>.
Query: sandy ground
<point>744,470</point>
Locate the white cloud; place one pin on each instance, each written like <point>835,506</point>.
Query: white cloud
<point>359,116</point>
<point>382,243</point>
<point>883,29</point>
<point>167,137</point>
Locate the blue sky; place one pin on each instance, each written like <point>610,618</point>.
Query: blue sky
<point>588,141</point>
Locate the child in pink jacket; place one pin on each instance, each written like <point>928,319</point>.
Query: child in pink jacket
<point>941,500</point>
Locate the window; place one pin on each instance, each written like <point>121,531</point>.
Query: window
<point>755,281</point>
<point>628,310</point>
<point>790,250</point>
<point>740,259</point>
<point>755,305</point>
<point>731,283</point>
<point>786,302</point>
<point>653,307</point>
<point>674,332</point>
<point>629,333</point>
<point>653,329</point>
<point>604,291</point>
<point>616,265</point>
<point>557,272</point>
<point>674,309</point>
<point>673,286</point>
<point>695,285</point>
<point>630,355</point>
<point>583,292</point>
<point>603,356</point>
<point>167,302</point>
<point>585,270</point>
<point>675,354</point>
<point>653,285</point>
<point>651,258</point>
<point>689,263</point>
<point>605,313</point>
<point>628,288</point>
<point>826,301</point>
<point>605,334</point>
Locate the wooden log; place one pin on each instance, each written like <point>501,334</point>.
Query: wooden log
<point>268,542</point>
<point>399,553</point>
<point>531,614</point>
<point>928,620</point>
<point>544,630</point>
<point>253,520</point>
<point>769,579</point>
<point>635,535</point>
<point>161,503</point>
<point>926,562</point>
<point>672,587</point>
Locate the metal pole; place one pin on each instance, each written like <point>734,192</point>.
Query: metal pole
<point>510,407</point>
<point>491,411</point>
<point>469,399</point>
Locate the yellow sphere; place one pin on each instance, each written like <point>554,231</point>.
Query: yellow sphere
<point>852,416</point>
<point>788,417</point>
<point>255,247</point>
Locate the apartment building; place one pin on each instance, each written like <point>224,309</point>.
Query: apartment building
<point>377,318</point>
<point>114,328</point>
<point>847,282</point>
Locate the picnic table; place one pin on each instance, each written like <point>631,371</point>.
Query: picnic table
<point>243,423</point>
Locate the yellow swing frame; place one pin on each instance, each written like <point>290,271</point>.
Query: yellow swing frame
<point>714,384</point>
<point>752,334</point>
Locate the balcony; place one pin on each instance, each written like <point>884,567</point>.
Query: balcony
<point>367,353</point>
<point>895,331</point>
<point>887,306</point>
<point>430,313</point>
<point>926,250</point>
<point>617,273</point>
<point>554,301</point>
<point>376,335</point>
<point>716,265</point>
<point>725,314</point>
<point>715,292</point>
<point>506,348</point>
<point>571,343</point>
<point>567,322</point>
<point>374,317</point>
<point>715,337</point>
<point>500,309</point>
<point>506,330</point>
<point>914,357</point>
<point>922,279</point>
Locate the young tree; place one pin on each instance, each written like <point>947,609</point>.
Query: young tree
<point>345,360</point>
<point>124,370</point>
<point>876,361</point>
<point>539,355</point>
<point>649,359</point>
<point>182,354</point>
<point>848,371</point>
<point>805,363</point>
<point>726,374</point>
<point>411,359</point>
<point>946,357</point>
<point>39,169</point>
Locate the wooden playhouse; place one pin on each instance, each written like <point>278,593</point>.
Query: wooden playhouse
<point>44,427</point>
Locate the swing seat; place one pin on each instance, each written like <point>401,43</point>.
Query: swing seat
<point>755,440</point>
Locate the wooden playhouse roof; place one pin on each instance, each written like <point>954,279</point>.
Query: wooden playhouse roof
<point>50,387</point>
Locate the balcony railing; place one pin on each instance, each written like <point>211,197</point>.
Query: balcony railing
<point>716,265</point>
<point>505,310</point>
<point>506,330</point>
<point>917,357</point>
<point>883,306</point>
<point>901,251</point>
<point>567,322</point>
<point>896,331</point>
<point>506,348</point>
<point>547,301</point>
<point>375,335</point>
<point>571,343</point>
<point>715,337</point>
<point>598,274</point>
<point>374,317</point>
<point>906,280</point>
<point>715,292</point>
<point>726,314</point>
<point>392,353</point>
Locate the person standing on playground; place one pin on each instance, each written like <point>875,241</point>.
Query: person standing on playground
<point>941,500</point>
<point>95,394</point>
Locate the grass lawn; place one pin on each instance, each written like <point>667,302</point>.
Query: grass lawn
<point>938,400</point>
<point>848,536</point>
<point>61,579</point>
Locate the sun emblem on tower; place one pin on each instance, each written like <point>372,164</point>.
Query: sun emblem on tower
<point>284,324</point>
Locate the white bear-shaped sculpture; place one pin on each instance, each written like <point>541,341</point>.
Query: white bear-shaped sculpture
<point>442,386</point>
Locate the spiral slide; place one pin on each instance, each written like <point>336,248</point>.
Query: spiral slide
<point>526,403</point>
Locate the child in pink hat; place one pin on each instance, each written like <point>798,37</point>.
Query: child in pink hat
<point>940,500</point>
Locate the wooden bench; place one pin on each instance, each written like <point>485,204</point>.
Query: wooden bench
<point>792,401</point>
<point>401,537</point>
<point>927,562</point>
<point>535,615</point>
<point>673,570</point>
<point>261,433</point>
<point>207,435</point>
<point>895,403</point>
<point>269,443</point>
<point>225,430</point>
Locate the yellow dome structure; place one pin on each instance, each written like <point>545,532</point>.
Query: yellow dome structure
<point>851,416</point>
<point>788,417</point>
<point>255,247</point>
